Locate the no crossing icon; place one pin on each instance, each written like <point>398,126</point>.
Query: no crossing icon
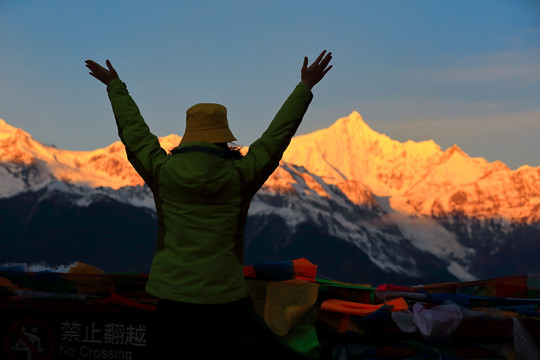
<point>29,339</point>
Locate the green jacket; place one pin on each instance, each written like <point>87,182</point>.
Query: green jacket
<point>202,200</point>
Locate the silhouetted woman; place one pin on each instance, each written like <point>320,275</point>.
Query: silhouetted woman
<point>202,193</point>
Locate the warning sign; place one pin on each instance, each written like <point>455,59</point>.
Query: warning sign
<point>29,339</point>
<point>86,334</point>
<point>88,339</point>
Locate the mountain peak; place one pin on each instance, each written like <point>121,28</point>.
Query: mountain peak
<point>5,127</point>
<point>354,123</point>
<point>350,150</point>
<point>100,167</point>
<point>455,150</point>
<point>16,145</point>
<point>7,130</point>
<point>354,118</point>
<point>170,141</point>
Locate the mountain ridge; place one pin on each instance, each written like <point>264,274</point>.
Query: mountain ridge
<point>409,209</point>
<point>406,172</point>
<point>106,166</point>
<point>418,178</point>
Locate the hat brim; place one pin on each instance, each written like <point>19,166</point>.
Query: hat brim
<point>210,135</point>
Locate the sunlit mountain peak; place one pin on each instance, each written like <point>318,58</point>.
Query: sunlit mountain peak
<point>351,150</point>
<point>6,129</point>
<point>101,167</point>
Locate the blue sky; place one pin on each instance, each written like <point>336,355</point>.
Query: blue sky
<point>458,72</point>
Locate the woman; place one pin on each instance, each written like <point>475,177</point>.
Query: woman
<point>202,193</point>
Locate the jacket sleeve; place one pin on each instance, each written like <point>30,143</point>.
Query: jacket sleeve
<point>265,153</point>
<point>142,147</point>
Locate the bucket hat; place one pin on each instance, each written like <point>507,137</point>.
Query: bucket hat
<point>207,122</point>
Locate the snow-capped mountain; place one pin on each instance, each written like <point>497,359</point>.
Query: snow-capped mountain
<point>361,205</point>
<point>418,178</point>
<point>107,167</point>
